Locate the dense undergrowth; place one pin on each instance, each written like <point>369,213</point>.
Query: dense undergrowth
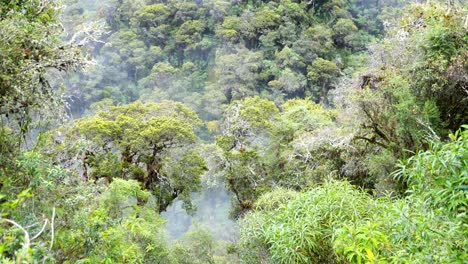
<point>337,222</point>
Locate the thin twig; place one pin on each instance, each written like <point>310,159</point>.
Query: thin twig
<point>42,230</point>
<point>434,134</point>
<point>52,229</point>
<point>52,221</point>
<point>26,235</point>
<point>43,6</point>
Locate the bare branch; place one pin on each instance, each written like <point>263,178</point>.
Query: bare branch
<point>44,4</point>
<point>434,134</point>
<point>42,230</point>
<point>27,240</point>
<point>89,32</point>
<point>52,221</point>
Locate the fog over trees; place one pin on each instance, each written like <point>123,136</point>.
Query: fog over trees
<point>288,131</point>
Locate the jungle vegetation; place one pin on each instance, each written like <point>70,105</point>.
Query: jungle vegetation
<point>339,128</point>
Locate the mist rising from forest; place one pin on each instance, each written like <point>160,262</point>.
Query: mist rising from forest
<point>177,81</point>
<point>122,80</point>
<point>218,131</point>
<point>212,205</point>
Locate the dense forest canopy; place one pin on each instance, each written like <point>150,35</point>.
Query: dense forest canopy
<point>337,128</point>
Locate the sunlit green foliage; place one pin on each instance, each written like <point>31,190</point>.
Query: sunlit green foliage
<point>29,199</point>
<point>119,226</point>
<point>322,72</point>
<point>330,120</point>
<point>300,229</point>
<point>301,152</point>
<point>265,146</point>
<point>152,143</point>
<point>440,175</point>
<point>336,222</point>
<point>117,223</point>
<point>430,225</point>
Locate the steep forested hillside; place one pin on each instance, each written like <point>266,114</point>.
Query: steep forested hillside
<point>208,53</point>
<point>337,128</point>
